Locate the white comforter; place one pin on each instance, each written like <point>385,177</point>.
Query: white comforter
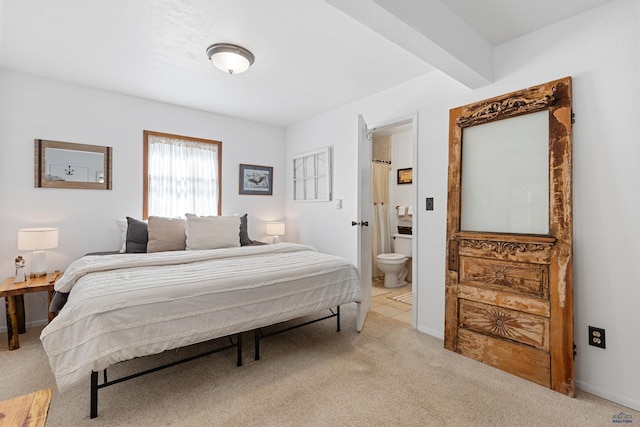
<point>130,305</point>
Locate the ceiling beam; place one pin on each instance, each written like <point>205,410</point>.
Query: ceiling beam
<point>429,30</point>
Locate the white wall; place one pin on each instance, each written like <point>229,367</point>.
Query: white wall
<point>600,50</point>
<point>33,108</point>
<point>400,194</point>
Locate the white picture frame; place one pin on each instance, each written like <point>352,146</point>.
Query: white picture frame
<point>312,175</point>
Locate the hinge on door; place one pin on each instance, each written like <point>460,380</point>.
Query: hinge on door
<point>573,117</point>
<point>453,255</point>
<point>575,351</point>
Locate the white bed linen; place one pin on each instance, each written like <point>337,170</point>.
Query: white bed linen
<point>130,305</point>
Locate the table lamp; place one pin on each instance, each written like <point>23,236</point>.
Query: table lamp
<point>275,229</point>
<point>37,240</point>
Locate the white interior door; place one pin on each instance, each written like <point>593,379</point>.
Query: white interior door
<point>364,217</point>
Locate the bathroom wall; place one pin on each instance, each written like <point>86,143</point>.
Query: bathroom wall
<point>400,194</point>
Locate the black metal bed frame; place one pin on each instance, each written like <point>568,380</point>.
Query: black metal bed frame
<point>105,383</point>
<point>258,335</point>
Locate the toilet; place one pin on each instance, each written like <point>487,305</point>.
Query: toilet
<point>394,265</point>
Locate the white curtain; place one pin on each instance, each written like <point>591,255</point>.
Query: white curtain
<point>183,177</point>
<point>381,235</point>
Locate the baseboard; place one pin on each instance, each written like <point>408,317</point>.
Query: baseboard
<point>28,325</point>
<point>596,391</point>
<point>432,332</point>
<point>621,400</point>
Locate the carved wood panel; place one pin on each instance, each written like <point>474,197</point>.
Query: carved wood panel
<point>506,275</point>
<point>504,323</point>
<point>510,105</point>
<point>526,362</point>
<point>527,303</point>
<point>520,248</point>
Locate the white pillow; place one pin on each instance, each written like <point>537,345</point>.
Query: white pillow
<point>212,232</point>
<point>122,226</point>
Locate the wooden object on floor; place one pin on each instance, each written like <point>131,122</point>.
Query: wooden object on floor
<point>29,410</point>
<point>508,288</point>
<point>13,295</point>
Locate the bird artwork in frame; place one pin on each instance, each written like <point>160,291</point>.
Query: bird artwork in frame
<point>256,180</point>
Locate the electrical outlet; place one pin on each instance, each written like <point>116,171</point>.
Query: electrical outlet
<point>596,337</point>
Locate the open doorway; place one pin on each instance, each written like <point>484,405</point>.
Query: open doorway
<point>389,167</point>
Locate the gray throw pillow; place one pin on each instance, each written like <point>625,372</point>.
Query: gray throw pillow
<point>137,236</point>
<point>244,235</point>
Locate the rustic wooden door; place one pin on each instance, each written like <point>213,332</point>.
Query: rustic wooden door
<point>509,284</point>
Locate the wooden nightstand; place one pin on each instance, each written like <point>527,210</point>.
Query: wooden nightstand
<point>28,410</point>
<point>13,294</point>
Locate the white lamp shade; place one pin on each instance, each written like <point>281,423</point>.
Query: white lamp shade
<point>230,62</point>
<point>275,228</point>
<point>37,239</point>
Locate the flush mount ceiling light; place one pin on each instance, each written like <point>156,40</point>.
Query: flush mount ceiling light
<point>230,58</point>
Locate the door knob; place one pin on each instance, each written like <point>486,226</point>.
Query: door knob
<point>361,224</point>
<point>453,255</point>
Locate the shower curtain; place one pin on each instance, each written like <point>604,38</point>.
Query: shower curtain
<point>381,230</point>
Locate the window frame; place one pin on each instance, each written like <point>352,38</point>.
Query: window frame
<point>145,165</point>
<point>306,176</point>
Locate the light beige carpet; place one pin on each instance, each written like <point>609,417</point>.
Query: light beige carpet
<point>387,375</point>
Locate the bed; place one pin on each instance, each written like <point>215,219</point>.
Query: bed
<point>124,306</point>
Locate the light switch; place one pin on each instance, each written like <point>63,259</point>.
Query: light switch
<point>429,203</point>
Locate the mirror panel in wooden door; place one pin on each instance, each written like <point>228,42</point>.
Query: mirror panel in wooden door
<point>509,290</point>
<point>517,148</point>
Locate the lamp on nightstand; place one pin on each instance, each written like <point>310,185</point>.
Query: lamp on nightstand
<point>275,229</point>
<point>37,240</point>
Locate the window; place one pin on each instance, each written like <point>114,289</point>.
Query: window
<point>312,175</point>
<point>181,175</point>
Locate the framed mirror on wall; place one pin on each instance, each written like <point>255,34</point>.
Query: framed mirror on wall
<point>68,165</point>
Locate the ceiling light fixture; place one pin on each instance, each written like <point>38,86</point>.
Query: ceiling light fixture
<point>230,58</point>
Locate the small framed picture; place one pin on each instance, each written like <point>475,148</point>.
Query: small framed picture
<point>405,176</point>
<point>257,180</point>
